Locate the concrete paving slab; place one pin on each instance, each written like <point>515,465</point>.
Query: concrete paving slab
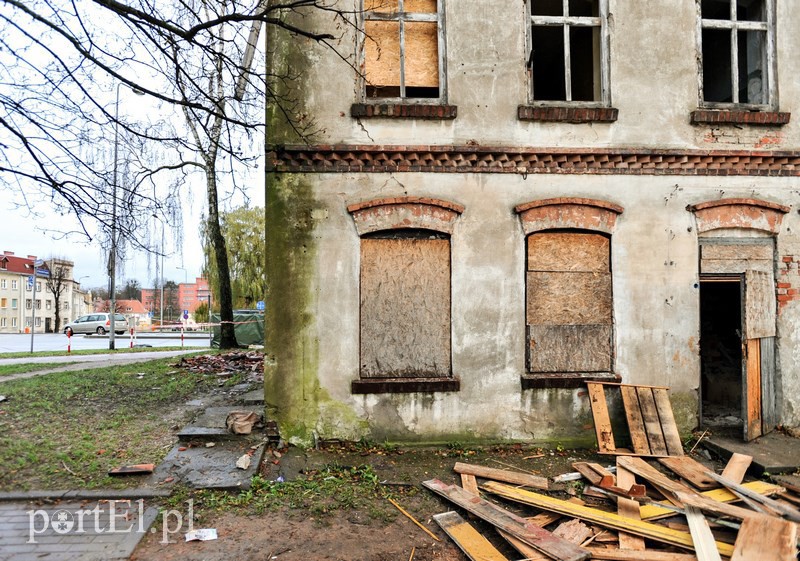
<point>73,531</point>
<point>775,452</point>
<point>255,397</point>
<point>202,467</point>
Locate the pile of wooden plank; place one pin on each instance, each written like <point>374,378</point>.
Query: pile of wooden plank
<point>664,508</point>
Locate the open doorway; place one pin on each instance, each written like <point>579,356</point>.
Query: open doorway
<point>721,352</point>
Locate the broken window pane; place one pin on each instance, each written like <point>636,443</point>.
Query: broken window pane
<point>401,56</point>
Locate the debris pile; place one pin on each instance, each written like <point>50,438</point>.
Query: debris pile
<point>631,511</point>
<point>250,364</point>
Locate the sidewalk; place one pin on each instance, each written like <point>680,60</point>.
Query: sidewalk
<point>80,531</point>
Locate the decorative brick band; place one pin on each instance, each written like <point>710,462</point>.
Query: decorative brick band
<point>568,114</point>
<point>486,159</point>
<point>722,117</point>
<point>739,213</point>
<point>566,212</point>
<point>403,111</point>
<point>405,212</point>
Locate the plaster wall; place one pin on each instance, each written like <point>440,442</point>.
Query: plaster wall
<point>653,77</point>
<point>656,305</point>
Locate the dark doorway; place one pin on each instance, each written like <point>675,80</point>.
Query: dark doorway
<point>721,352</point>
<point>48,328</point>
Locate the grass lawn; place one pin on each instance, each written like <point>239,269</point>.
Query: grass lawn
<point>25,354</point>
<point>8,369</point>
<point>67,429</point>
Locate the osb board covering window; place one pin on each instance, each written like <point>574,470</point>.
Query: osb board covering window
<point>569,302</point>
<point>401,51</point>
<point>405,308</point>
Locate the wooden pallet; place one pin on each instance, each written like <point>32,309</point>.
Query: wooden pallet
<point>649,416</point>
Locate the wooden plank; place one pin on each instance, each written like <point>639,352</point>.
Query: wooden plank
<point>539,538</point>
<point>569,251</point>
<point>766,539</point>
<point>671,435</point>
<point>652,424</point>
<point>736,468</point>
<point>752,390</point>
<point>651,474</point>
<point>760,305</point>
<point>654,511</point>
<point>506,476</point>
<point>691,470</point>
<point>567,298</point>
<point>787,511</point>
<point>791,482</point>
<point>628,508</point>
<point>469,483</point>
<point>602,423</point>
<point>573,530</point>
<point>633,414</point>
<point>530,553</point>
<point>467,538</point>
<point>704,544</point>
<point>600,517</point>
<point>649,555</point>
<point>593,472</point>
<point>769,412</point>
<point>569,348</point>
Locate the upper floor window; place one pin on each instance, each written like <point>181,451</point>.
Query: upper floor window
<point>13,285</point>
<point>568,51</point>
<point>3,283</point>
<point>404,49</point>
<point>737,52</point>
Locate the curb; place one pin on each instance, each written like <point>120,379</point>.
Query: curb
<point>83,494</point>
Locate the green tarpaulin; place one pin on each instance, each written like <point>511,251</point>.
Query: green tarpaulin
<point>249,328</point>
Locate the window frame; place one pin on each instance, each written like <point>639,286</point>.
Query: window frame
<point>565,22</point>
<point>403,17</point>
<point>770,90</point>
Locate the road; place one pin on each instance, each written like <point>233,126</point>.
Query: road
<point>15,343</point>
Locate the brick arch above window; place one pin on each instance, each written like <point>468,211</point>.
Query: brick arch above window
<point>752,214</point>
<point>568,212</point>
<point>405,212</point>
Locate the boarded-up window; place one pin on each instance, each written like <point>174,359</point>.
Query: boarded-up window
<point>401,50</point>
<point>405,305</point>
<point>569,304</point>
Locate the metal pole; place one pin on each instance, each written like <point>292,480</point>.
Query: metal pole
<point>210,329</point>
<point>112,260</point>
<point>161,313</point>
<point>33,307</point>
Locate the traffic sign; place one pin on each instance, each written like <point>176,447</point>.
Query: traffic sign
<point>30,281</point>
<point>43,272</point>
<point>260,305</point>
<point>185,314</point>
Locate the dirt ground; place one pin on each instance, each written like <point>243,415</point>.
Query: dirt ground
<point>375,531</point>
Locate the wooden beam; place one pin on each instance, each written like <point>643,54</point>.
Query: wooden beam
<point>649,555</point>
<point>471,542</point>
<point>655,511</point>
<point>537,537</point>
<point>785,510</point>
<point>606,519</point>
<point>629,509</point>
<point>504,475</point>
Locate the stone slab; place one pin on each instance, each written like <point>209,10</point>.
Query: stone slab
<point>775,452</point>
<point>214,467</point>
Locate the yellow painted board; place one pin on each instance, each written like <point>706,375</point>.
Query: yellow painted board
<point>654,511</point>
<point>471,542</point>
<point>607,519</point>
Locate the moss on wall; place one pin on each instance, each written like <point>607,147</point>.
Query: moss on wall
<point>685,408</point>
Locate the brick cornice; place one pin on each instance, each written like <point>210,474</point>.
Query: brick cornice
<point>490,159</point>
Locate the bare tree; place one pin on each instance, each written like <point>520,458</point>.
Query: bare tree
<point>61,63</point>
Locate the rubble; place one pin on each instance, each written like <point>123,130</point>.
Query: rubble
<point>250,364</point>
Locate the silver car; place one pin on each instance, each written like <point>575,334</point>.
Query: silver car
<point>97,323</point>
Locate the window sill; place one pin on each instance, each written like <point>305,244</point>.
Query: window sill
<point>567,114</point>
<point>566,380</point>
<point>405,385</point>
<point>739,117</point>
<point>400,110</point>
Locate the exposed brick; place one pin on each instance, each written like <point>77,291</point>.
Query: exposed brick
<point>403,111</point>
<point>567,114</point>
<point>733,117</point>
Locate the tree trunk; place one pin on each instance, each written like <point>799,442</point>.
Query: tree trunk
<point>227,335</point>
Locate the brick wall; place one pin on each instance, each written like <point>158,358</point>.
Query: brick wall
<point>788,284</point>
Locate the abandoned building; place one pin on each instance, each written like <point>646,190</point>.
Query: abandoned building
<point>475,207</point>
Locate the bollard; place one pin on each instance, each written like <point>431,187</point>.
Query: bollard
<point>131,337</point>
<point>182,335</point>
<point>69,341</point>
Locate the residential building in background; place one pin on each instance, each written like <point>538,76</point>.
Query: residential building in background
<point>134,311</point>
<point>177,298</point>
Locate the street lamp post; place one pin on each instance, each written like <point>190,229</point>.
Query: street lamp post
<point>112,259</point>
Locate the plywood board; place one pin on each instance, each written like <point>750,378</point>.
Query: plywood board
<point>760,305</point>
<point>569,251</point>
<point>570,348</point>
<point>568,298</point>
<point>468,539</point>
<point>766,539</point>
<point>382,53</point>
<point>422,54</point>
<point>405,308</point>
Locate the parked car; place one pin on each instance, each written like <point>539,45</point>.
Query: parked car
<point>97,323</point>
